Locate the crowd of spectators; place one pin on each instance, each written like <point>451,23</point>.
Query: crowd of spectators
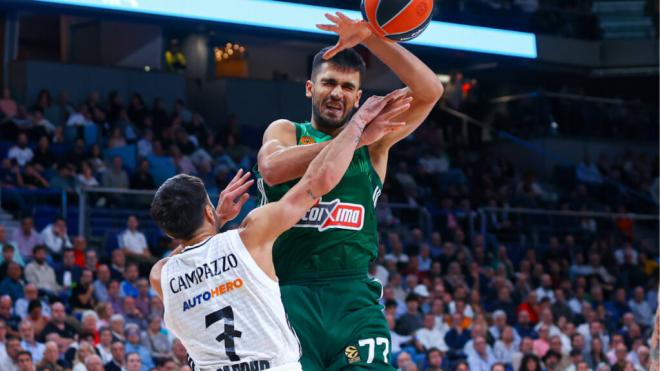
<point>455,299</point>
<point>50,150</point>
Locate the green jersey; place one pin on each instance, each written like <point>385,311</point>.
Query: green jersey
<point>337,236</point>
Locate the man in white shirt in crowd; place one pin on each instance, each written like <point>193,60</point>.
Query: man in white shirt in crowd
<point>21,152</point>
<point>429,337</point>
<point>481,359</point>
<point>500,323</point>
<point>545,290</point>
<point>641,308</point>
<point>28,341</point>
<point>55,237</point>
<point>30,293</point>
<point>10,360</point>
<point>26,237</point>
<point>134,243</point>
<point>40,274</point>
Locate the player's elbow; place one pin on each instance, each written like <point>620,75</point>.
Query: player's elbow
<point>269,173</point>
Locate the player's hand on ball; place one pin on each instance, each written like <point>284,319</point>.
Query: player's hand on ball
<point>234,196</point>
<point>351,32</point>
<point>385,122</point>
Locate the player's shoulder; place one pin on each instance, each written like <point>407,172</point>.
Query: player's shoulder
<point>282,124</point>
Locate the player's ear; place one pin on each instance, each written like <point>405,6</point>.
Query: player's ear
<point>308,88</point>
<point>359,96</point>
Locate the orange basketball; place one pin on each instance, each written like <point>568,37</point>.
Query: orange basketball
<point>398,20</point>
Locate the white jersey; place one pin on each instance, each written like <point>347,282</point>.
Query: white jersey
<point>227,312</point>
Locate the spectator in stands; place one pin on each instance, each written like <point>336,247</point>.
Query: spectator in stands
<point>8,106</point>
<point>9,255</point>
<point>12,284</point>
<point>118,264</point>
<point>505,346</point>
<point>30,293</point>
<point>96,160</point>
<point>103,348</point>
<point>410,321</point>
<point>7,315</point>
<point>142,178</point>
<point>116,139</point>
<point>524,326</point>
<point>144,298</point>
<point>79,248</point>
<point>129,284</point>
<point>530,362</point>
<point>429,337</point>
<point>84,350</point>
<point>133,345</point>
<point>481,359</point>
<point>93,363</point>
<point>182,162</point>
<point>434,358</point>
<point>132,314</point>
<point>56,238</point>
<point>134,243</point>
<point>68,273</point>
<point>36,315</point>
<point>134,362</point>
<point>117,327</point>
<point>101,283</point>
<point>155,341</point>
<point>43,157</point>
<point>116,177</point>
<point>40,274</point>
<point>86,178</point>
<point>59,325</point>
<point>641,308</point>
<point>29,342</point>
<point>21,152</point>
<point>91,260</point>
<point>40,124</point>
<point>82,295</point>
<point>12,348</point>
<point>81,117</point>
<point>65,179</point>
<point>458,336</point>
<point>51,359</point>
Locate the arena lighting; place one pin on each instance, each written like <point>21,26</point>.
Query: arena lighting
<point>301,17</point>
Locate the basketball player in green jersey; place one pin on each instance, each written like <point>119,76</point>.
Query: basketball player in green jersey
<point>322,262</point>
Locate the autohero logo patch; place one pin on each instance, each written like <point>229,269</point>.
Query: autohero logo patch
<point>333,214</point>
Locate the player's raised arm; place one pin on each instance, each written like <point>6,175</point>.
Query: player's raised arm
<point>280,159</point>
<point>265,224</point>
<point>424,85</point>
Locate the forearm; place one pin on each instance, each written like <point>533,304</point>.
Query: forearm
<point>289,163</point>
<point>421,80</point>
<point>327,169</point>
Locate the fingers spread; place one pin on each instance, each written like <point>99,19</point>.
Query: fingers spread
<point>328,27</point>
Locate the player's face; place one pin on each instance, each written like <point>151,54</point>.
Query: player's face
<point>335,93</point>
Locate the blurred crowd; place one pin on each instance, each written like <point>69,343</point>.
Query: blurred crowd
<point>582,297</point>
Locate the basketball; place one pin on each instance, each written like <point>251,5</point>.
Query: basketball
<point>398,20</point>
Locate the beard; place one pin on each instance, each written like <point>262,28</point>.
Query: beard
<point>327,122</point>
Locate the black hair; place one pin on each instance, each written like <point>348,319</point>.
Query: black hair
<point>37,248</point>
<point>178,206</point>
<point>34,304</point>
<point>347,59</point>
<point>7,247</point>
<point>527,358</point>
<point>24,352</point>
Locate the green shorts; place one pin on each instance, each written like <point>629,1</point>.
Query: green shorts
<point>340,323</point>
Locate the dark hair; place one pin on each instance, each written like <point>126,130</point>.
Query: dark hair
<point>527,358</point>
<point>347,59</point>
<point>7,247</point>
<point>37,248</point>
<point>24,352</point>
<point>34,304</point>
<point>178,206</point>
<point>433,350</point>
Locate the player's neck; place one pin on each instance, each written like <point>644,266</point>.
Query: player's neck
<point>200,236</point>
<point>333,132</point>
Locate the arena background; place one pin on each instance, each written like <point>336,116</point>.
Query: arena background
<point>532,188</point>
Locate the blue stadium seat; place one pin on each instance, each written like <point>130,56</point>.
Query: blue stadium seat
<point>161,168</point>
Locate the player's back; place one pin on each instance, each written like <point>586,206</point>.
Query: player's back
<point>226,310</point>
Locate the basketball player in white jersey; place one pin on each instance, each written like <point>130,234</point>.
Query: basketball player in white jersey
<point>220,291</point>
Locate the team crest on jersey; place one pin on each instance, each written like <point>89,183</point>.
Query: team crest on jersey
<point>307,140</point>
<point>352,354</point>
<point>333,214</point>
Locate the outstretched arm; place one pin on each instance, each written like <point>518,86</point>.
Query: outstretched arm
<point>265,224</point>
<point>425,88</point>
